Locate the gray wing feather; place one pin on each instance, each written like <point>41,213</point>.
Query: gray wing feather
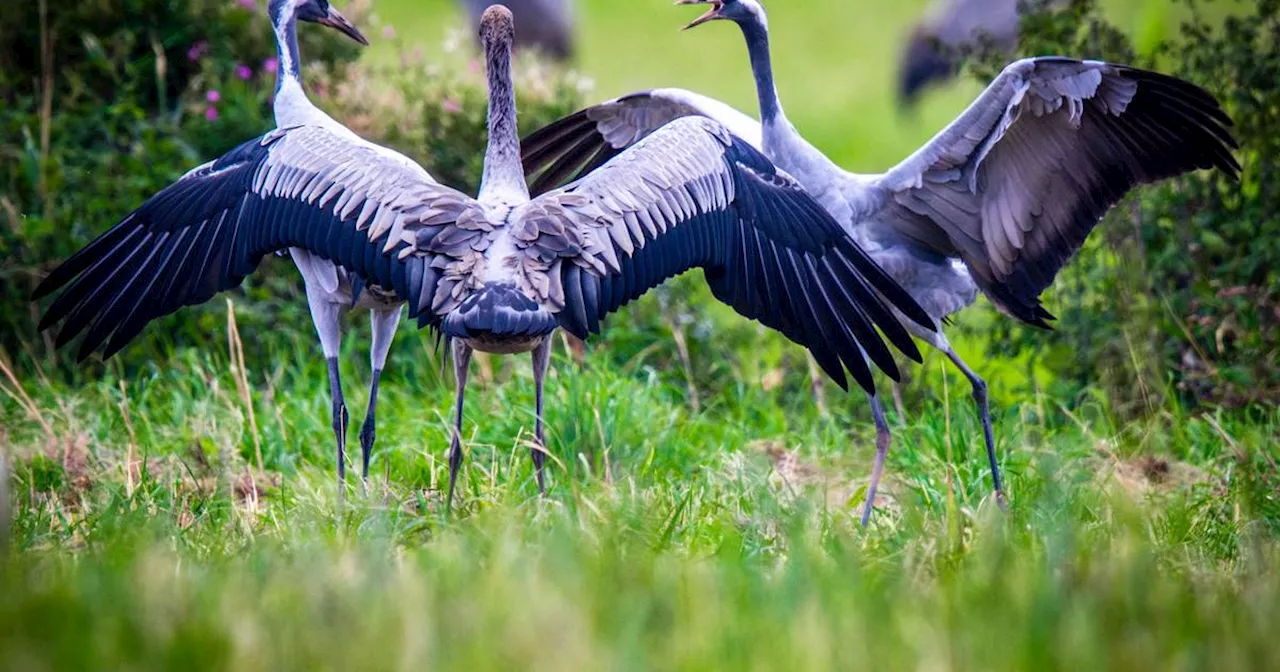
<point>1018,181</point>
<point>303,187</point>
<point>573,146</point>
<point>692,195</point>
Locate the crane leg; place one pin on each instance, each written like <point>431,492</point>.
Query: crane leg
<point>340,419</point>
<point>461,360</point>
<point>384,329</point>
<point>984,414</point>
<point>882,449</point>
<point>326,314</point>
<point>541,360</point>
<point>369,430</point>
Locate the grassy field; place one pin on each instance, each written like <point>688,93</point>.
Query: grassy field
<point>724,537</point>
<point>181,512</point>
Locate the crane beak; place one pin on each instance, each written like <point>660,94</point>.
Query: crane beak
<point>711,15</point>
<point>334,19</point>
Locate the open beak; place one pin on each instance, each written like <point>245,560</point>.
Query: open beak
<point>335,19</point>
<point>711,14</point>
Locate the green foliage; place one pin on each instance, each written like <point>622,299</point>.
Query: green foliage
<point>1177,291</point>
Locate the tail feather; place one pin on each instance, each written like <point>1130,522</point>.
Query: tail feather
<point>498,311</point>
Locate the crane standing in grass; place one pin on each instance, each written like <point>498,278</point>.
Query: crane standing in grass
<point>332,291</point>
<point>499,272</point>
<point>690,195</point>
<point>997,202</point>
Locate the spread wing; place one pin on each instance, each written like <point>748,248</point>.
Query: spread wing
<point>353,203</point>
<point>583,141</point>
<point>691,195</point>
<point>1014,186</point>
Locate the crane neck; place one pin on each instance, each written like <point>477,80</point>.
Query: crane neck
<point>503,177</point>
<point>290,99</point>
<point>757,36</point>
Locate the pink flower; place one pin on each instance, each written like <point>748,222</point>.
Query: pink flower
<point>473,65</point>
<point>451,106</point>
<point>197,50</point>
<point>211,113</point>
<point>213,96</point>
<point>388,33</point>
<point>243,71</point>
<point>271,65</point>
<point>248,4</point>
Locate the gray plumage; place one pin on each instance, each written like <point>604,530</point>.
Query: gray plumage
<point>332,292</point>
<point>997,202</point>
<point>544,25</point>
<point>951,26</point>
<point>499,272</point>
<point>313,139</point>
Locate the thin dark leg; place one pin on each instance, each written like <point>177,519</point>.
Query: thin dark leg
<point>541,360</point>
<point>984,414</point>
<point>882,449</point>
<point>384,322</point>
<point>369,430</point>
<point>339,421</point>
<point>461,360</point>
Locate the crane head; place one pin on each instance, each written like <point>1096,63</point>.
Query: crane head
<point>319,11</point>
<point>497,25</point>
<point>739,11</point>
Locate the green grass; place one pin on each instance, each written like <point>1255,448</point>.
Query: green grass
<point>673,537</point>
<point>725,537</point>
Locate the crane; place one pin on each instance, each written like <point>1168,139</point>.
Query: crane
<point>331,290</point>
<point>997,202</point>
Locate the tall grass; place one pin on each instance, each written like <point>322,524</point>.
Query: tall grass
<point>146,536</point>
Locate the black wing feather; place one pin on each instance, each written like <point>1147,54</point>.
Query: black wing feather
<point>773,255</point>
<point>199,236</point>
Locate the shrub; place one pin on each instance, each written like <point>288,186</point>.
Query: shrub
<point>1177,292</point>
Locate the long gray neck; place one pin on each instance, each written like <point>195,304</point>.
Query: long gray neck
<point>286,30</point>
<point>757,36</point>
<point>781,142</point>
<point>291,104</point>
<point>503,173</point>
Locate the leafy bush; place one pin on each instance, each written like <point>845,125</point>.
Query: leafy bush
<point>1177,292</point>
<point>137,92</point>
